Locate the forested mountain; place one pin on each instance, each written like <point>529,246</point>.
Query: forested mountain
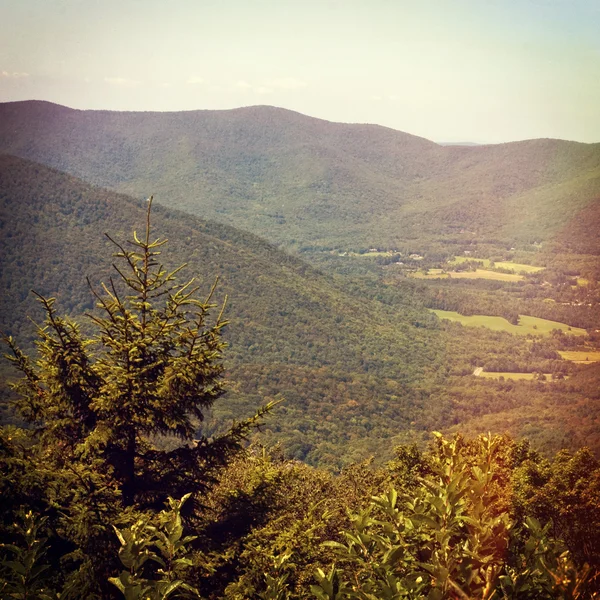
<point>354,372</point>
<point>360,366</point>
<point>305,182</point>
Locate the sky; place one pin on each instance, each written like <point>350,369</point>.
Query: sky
<point>448,70</point>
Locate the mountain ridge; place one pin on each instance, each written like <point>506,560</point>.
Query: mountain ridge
<point>300,181</point>
<point>282,110</point>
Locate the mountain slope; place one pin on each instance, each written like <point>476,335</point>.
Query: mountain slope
<point>354,373</point>
<point>302,181</point>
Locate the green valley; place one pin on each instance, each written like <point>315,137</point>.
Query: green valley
<point>300,300</point>
<point>386,231</point>
<point>294,333</point>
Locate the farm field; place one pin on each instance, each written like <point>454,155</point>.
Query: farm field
<point>515,267</point>
<point>368,254</point>
<point>478,274</point>
<point>527,324</point>
<point>580,356</point>
<point>483,274</point>
<point>518,267</point>
<point>513,376</point>
<point>371,253</point>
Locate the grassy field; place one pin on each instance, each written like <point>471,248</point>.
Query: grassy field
<point>514,376</point>
<point>457,260</point>
<point>483,274</point>
<point>374,253</point>
<point>367,254</point>
<point>526,324</point>
<point>518,267</point>
<point>581,357</point>
<point>514,267</point>
<point>478,274</point>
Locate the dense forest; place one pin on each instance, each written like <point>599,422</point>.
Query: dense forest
<point>360,361</point>
<point>296,331</point>
<point>110,490</point>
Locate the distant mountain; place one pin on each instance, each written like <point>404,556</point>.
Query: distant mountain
<point>305,182</point>
<point>353,371</point>
<point>459,144</point>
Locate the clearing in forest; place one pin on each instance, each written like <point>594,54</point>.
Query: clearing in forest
<point>483,274</point>
<point>580,356</point>
<point>533,325</point>
<point>504,264</point>
<point>515,376</point>
<point>478,274</point>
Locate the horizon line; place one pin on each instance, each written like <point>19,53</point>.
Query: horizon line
<point>444,143</point>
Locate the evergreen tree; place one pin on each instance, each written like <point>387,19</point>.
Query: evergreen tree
<point>153,370</point>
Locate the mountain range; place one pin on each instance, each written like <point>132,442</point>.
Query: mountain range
<point>307,183</point>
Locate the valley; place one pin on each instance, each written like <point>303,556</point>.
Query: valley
<point>368,272</point>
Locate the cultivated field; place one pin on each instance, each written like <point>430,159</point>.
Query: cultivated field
<point>580,356</point>
<point>478,274</point>
<point>518,267</point>
<point>483,274</point>
<point>514,376</point>
<point>526,325</point>
<point>512,266</point>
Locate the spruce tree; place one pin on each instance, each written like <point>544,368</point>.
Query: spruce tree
<point>152,370</point>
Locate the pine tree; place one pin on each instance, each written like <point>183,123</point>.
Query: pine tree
<point>153,370</point>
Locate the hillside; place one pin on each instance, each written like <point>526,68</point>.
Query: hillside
<point>352,370</point>
<point>308,183</point>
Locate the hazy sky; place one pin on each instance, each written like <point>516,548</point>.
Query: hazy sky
<point>448,70</point>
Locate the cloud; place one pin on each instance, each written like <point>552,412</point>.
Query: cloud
<point>13,75</point>
<point>122,81</point>
<point>194,80</point>
<point>244,86</point>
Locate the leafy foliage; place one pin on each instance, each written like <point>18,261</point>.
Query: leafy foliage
<point>166,547</point>
<point>452,539</point>
<point>23,568</point>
